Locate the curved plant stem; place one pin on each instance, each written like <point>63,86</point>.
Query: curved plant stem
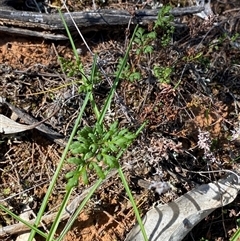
<point>56,174</point>
<point>79,209</point>
<point>125,184</point>
<point>23,221</point>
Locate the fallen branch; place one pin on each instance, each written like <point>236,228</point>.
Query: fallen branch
<point>32,22</point>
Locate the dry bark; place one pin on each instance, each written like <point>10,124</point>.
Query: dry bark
<point>50,26</point>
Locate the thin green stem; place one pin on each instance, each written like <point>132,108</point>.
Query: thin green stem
<point>79,209</point>
<point>236,236</point>
<point>59,215</point>
<point>69,36</point>
<point>125,184</point>
<point>116,81</point>
<point>93,103</point>
<point>23,221</point>
<point>56,174</point>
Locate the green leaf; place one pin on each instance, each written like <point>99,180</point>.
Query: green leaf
<point>93,147</point>
<point>93,137</point>
<point>112,147</point>
<point>111,161</point>
<point>85,131</point>
<point>130,136</point>
<point>139,51</point>
<point>121,142</point>
<point>99,157</point>
<point>105,150</point>
<point>75,145</point>
<point>152,35</point>
<point>71,174</point>
<point>84,175</point>
<point>90,165</point>
<point>73,179</point>
<point>140,32</point>
<point>98,170</point>
<point>106,136</point>
<point>75,160</point>
<point>113,126</point>
<point>88,155</point>
<point>137,41</point>
<point>134,76</point>
<point>83,139</point>
<point>80,150</point>
<point>72,182</point>
<point>99,128</point>
<point>123,132</point>
<point>148,49</point>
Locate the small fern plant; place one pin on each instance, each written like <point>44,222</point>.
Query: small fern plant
<point>96,148</point>
<point>164,24</point>
<point>162,29</point>
<point>144,41</point>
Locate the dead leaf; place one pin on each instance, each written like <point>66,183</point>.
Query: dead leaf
<point>173,221</point>
<point>8,126</point>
